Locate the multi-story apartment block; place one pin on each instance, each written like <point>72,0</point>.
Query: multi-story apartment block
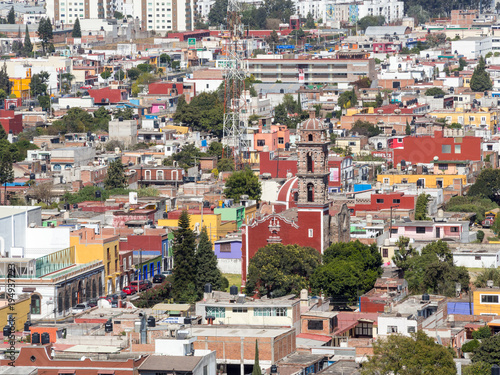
<point>392,10</point>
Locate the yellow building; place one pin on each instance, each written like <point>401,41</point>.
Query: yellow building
<point>90,247</point>
<point>250,213</point>
<point>20,87</point>
<point>426,180</point>
<point>486,301</point>
<point>20,310</point>
<point>216,228</point>
<point>481,117</point>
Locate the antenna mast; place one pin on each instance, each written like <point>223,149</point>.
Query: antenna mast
<point>234,132</point>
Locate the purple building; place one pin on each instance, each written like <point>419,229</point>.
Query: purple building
<point>228,252</point>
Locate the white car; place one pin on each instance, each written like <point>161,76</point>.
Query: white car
<point>81,307</point>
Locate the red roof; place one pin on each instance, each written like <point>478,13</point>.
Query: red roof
<point>285,192</point>
<point>106,95</point>
<point>312,336</point>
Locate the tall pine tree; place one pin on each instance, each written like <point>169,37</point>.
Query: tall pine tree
<point>11,17</point>
<point>116,176</point>
<point>5,83</point>
<point>480,80</point>
<point>206,264</point>
<point>77,31</point>
<point>6,170</point>
<point>256,366</point>
<point>28,46</point>
<point>184,273</point>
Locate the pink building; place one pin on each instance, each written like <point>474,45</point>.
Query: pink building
<point>274,137</point>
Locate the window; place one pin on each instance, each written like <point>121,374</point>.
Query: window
<point>225,247</point>
<point>268,311</point>
<point>352,143</point>
<point>216,312</point>
<point>35,304</point>
<point>240,309</point>
<point>446,149</point>
<point>385,253</point>
<point>471,119</point>
<point>386,180</point>
<point>380,201</point>
<point>279,311</point>
<point>443,167</point>
<point>364,329</point>
<point>454,229</point>
<point>392,329</point>
<point>411,329</point>
<point>310,233</point>
<point>488,298</point>
<point>490,147</point>
<point>261,142</point>
<point>420,230</point>
<point>397,201</point>
<point>281,140</point>
<point>477,257</point>
<point>315,325</point>
<point>205,370</point>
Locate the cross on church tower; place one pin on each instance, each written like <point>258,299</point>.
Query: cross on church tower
<point>312,168</point>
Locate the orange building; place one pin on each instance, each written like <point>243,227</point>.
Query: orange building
<point>274,137</point>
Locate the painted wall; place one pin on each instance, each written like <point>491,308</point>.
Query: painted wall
<point>482,307</point>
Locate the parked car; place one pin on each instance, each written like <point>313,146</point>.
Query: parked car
<point>129,290</point>
<point>123,295</point>
<point>139,285</point>
<point>81,307</point>
<point>158,279</point>
<point>92,303</point>
<point>149,284</point>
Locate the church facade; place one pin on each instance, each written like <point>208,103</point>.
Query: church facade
<point>306,217</point>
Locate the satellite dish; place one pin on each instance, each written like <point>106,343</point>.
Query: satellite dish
<point>436,158</point>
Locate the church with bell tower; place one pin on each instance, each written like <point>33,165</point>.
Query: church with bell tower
<point>308,218</point>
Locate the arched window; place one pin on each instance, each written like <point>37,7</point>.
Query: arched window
<point>296,196</point>
<point>35,304</point>
<point>310,165</point>
<point>310,192</point>
<point>310,137</point>
<point>147,175</point>
<point>160,175</point>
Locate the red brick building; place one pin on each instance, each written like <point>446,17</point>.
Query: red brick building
<point>172,89</point>
<point>108,95</point>
<point>423,149</point>
<point>379,202</point>
<point>152,175</point>
<point>11,122</point>
<point>40,357</point>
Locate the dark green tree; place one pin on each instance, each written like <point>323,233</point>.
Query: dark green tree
<point>106,74</point>
<point>218,13</point>
<point>379,100</point>
<point>478,368</point>
<point>243,182</point>
<point>44,101</point>
<point>225,165</point>
<point>205,112</point>
<point>11,17</point>
<point>116,176</point>
<point>309,21</point>
<point>348,270</point>
<point>45,33</point>
<point>402,355</point>
<point>365,128</point>
<point>6,170</point>
<point>5,83</point>
<point>469,203</point>
<point>347,99</point>
<point>487,185</point>
<point>186,158</point>
<point>366,21</point>
<point>119,75</point>
<point>256,365</point>
<point>421,207</point>
<point>206,264</point>
<point>278,270</point>
<point>184,284</point>
<point>38,84</point>
<point>434,91</point>
<point>488,351</point>
<point>480,80</point>
<point>133,74</point>
<point>77,31</point>
<point>408,128</point>
<point>279,9</point>
<point>487,274</point>
<point>482,333</point>
<point>28,46</point>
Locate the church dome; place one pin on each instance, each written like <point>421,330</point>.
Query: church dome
<point>286,192</point>
<point>312,124</point>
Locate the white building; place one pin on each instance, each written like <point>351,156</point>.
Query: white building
<point>392,10</point>
<point>163,15</point>
<point>396,323</point>
<point>477,256</point>
<point>473,47</point>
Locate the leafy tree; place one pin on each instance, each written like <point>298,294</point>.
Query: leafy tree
<point>434,91</point>
<point>349,270</point>
<point>106,74</point>
<point>279,9</point>
<point>225,165</point>
<point>309,21</point>
<point>28,46</point>
<point>478,368</point>
<point>145,68</point>
<point>419,13</point>
<point>408,128</point>
<point>133,73</point>
<point>433,270</point>
<point>488,351</point>
<point>186,158</point>
<point>363,83</point>
<point>5,83</point>
<point>118,15</point>
<point>487,185</point>
<point>347,99</point>
<point>243,182</point>
<point>206,264</point>
<point>256,365</point>
<point>6,170</point>
<point>45,33</point>
<point>126,114</point>
<point>205,112</point>
<point>482,333</point>
<point>44,101</point>
<point>11,17</point>
<point>462,64</point>
<point>435,39</point>
<point>119,75</point>
<point>365,128</point>
<point>366,21</point>
<point>184,284</point>
<point>116,176</point>
<point>273,39</point>
<point>277,270</point>
<point>480,236</point>
<point>480,80</point>
<point>38,84</point>
<point>402,355</point>
<point>487,274</point>
<point>77,120</point>
<point>77,31</point>
<point>470,346</point>
<point>379,100</point>
<point>218,13</point>
<point>102,118</point>
<point>165,59</point>
<point>421,207</point>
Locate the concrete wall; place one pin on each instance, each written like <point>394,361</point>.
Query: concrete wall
<point>402,324</point>
<point>232,266</point>
<point>42,241</point>
<point>477,260</point>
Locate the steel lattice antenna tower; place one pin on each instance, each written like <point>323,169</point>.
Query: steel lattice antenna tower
<point>234,133</point>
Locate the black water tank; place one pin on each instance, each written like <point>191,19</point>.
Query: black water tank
<point>7,330</point>
<point>274,369</point>
<point>32,176</point>
<point>233,290</point>
<point>495,370</point>
<point>208,288</point>
<point>98,194</point>
<point>27,326</point>
<point>75,206</point>
<point>45,338</point>
<point>44,168</point>
<point>108,327</point>
<point>120,118</point>
<point>425,297</point>
<point>35,338</point>
<point>151,321</point>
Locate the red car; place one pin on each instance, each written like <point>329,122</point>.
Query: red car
<point>129,290</point>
